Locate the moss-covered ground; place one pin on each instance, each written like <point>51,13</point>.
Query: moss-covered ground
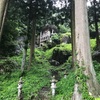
<point>39,76</point>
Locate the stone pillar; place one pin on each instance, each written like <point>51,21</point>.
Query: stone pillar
<point>20,84</point>
<point>53,85</point>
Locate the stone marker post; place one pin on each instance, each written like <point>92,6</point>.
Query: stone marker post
<point>53,85</point>
<point>20,84</point>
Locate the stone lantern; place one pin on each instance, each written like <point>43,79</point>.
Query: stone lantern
<point>53,85</point>
<point>20,84</point>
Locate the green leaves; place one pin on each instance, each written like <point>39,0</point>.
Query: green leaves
<point>81,79</point>
<point>65,87</point>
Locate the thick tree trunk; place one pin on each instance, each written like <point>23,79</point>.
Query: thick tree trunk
<point>23,60</point>
<point>3,8</point>
<point>32,46</point>
<point>76,94</point>
<point>82,43</point>
<point>73,33</point>
<point>25,46</point>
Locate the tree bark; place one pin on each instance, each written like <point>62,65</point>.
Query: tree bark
<point>82,43</point>
<point>25,46</point>
<point>73,32</point>
<point>23,60</point>
<point>76,94</point>
<point>3,10</point>
<point>32,46</point>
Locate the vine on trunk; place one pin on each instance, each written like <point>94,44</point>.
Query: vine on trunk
<point>81,79</point>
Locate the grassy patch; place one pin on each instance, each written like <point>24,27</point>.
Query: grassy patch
<point>34,80</point>
<point>65,87</point>
<point>63,47</point>
<point>93,44</point>
<point>97,98</point>
<point>40,74</point>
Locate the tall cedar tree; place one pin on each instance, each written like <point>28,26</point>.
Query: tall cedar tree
<point>39,9</point>
<point>3,9</point>
<point>83,53</point>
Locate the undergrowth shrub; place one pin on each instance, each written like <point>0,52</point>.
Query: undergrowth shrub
<point>93,44</point>
<point>97,69</point>
<point>7,66</point>
<point>81,79</point>
<point>65,87</point>
<point>62,28</point>
<point>62,47</point>
<point>55,39</point>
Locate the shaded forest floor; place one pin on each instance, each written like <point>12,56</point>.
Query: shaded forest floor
<point>36,80</point>
<point>37,83</point>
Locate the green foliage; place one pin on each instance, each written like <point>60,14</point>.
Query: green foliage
<point>65,34</point>
<point>62,47</point>
<point>40,75</point>
<point>93,44</point>
<point>34,80</point>
<point>39,52</point>
<point>7,66</point>
<point>39,55</point>
<point>55,36</point>
<point>65,87</point>
<point>44,46</point>
<point>94,8</point>
<point>48,53</point>
<point>55,39</point>
<point>8,87</point>
<point>63,29</point>
<point>97,69</point>
<point>34,83</point>
<point>97,98</point>
<point>81,80</point>
<point>8,41</point>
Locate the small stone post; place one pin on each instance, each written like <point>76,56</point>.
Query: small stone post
<point>20,84</point>
<point>65,74</point>
<point>53,85</point>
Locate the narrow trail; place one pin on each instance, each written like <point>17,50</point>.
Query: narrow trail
<point>44,93</point>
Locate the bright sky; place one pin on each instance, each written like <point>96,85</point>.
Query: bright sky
<point>89,4</point>
<point>61,4</point>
